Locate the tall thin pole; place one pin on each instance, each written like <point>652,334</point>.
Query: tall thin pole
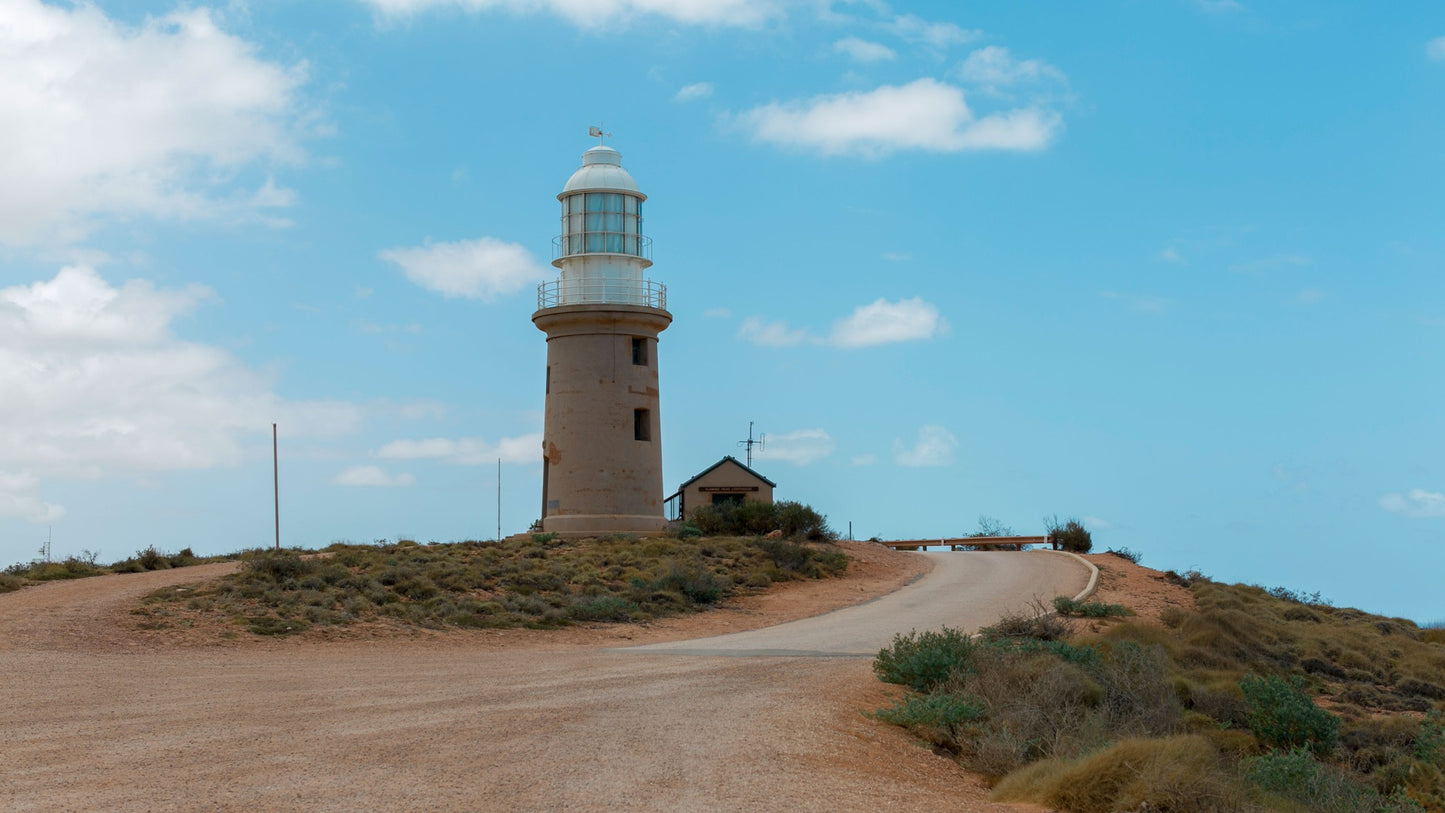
<point>276,484</point>
<point>499,499</point>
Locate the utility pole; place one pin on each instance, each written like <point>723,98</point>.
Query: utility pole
<point>276,484</point>
<point>499,499</point>
<point>750,442</point>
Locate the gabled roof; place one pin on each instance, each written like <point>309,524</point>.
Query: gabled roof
<point>728,459</point>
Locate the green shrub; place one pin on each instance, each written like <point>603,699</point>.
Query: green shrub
<point>1298,776</point>
<point>1126,554</point>
<point>700,585</point>
<point>753,518</point>
<point>278,565</point>
<point>9,582</point>
<point>1282,715</point>
<point>922,660</point>
<point>1069,535</point>
<point>688,530</point>
<point>1089,609</point>
<point>937,717</point>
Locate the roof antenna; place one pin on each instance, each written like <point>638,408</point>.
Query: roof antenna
<point>596,132</point>
<point>750,443</point>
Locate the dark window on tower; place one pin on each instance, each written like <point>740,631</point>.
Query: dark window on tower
<point>639,351</point>
<point>549,379</point>
<point>642,424</point>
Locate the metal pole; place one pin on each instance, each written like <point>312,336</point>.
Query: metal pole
<point>499,499</point>
<point>276,484</point>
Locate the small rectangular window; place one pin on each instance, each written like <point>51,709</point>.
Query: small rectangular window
<point>639,351</point>
<point>549,379</point>
<point>642,424</point>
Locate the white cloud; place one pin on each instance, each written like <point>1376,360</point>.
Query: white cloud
<point>800,448</point>
<point>697,90</point>
<point>1309,296</point>
<point>372,476</point>
<point>717,313</point>
<point>98,118</point>
<point>933,447</point>
<point>922,115</point>
<point>476,269</point>
<point>993,69</point>
<point>759,331</point>
<point>94,382</point>
<point>1170,255</point>
<point>861,50</point>
<point>1435,49</point>
<point>602,13</point>
<point>1417,502</point>
<point>18,499</point>
<point>935,35</point>
<point>466,451</point>
<point>880,322</point>
<point>884,322</point>
<point>864,459</point>
<point>1097,523</point>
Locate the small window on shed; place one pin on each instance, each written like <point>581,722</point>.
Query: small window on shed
<point>639,351</point>
<point>642,424</point>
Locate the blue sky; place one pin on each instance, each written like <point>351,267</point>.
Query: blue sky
<point>1172,267</point>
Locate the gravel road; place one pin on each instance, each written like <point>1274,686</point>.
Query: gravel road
<point>448,724</point>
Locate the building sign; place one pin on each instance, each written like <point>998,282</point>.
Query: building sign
<point>726,489</point>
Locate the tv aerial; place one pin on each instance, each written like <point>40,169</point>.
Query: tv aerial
<point>750,443</point>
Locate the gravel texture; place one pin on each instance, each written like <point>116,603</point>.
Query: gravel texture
<point>102,716</point>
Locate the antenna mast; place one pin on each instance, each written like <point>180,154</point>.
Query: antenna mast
<point>750,443</point>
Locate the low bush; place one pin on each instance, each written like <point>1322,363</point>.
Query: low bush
<point>1282,715</point>
<point>1126,554</point>
<point>529,582</point>
<point>1070,535</point>
<point>1296,775</point>
<point>1034,622</point>
<point>1182,773</point>
<point>937,717</point>
<point>751,518</point>
<point>1089,609</point>
<point>922,660</point>
<point>9,582</point>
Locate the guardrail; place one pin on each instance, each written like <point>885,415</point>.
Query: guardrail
<point>645,293</point>
<point>629,244</point>
<point>971,541</point>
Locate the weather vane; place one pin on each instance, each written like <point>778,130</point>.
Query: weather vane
<point>596,132</point>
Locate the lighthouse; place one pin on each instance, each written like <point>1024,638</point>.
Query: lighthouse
<point>602,437</point>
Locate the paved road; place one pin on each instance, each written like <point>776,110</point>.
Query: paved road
<point>964,590</point>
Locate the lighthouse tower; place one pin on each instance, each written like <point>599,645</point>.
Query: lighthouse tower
<point>602,444</point>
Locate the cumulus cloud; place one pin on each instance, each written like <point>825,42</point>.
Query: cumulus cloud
<point>466,451</point>
<point>934,446</point>
<point>922,115</point>
<point>861,50</point>
<point>884,322</point>
<point>880,322</point>
<point>938,35</point>
<point>800,448</point>
<point>1435,49</point>
<point>696,90</point>
<point>602,13</point>
<point>18,498</point>
<point>161,119</point>
<point>766,333</point>
<point>483,269</point>
<point>995,70</point>
<point>372,476</point>
<point>95,382</point>
<point>1417,502</point>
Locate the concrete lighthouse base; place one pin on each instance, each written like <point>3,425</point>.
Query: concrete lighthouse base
<point>599,524</point>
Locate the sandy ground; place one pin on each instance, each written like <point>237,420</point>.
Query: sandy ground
<point>101,715</point>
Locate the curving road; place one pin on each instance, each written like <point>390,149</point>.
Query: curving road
<point>455,724</point>
<point>966,591</point>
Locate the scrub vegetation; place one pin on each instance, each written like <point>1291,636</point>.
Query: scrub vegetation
<point>1257,700</point>
<point>84,565</point>
<point>536,582</point>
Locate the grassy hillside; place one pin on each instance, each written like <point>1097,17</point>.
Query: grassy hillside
<point>536,582</point>
<point>1256,700</point>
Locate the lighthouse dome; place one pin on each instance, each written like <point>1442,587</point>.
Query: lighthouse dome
<point>601,170</point>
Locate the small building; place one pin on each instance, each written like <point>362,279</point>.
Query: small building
<point>726,481</point>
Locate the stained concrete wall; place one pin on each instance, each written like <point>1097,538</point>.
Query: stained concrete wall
<point>597,476</point>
